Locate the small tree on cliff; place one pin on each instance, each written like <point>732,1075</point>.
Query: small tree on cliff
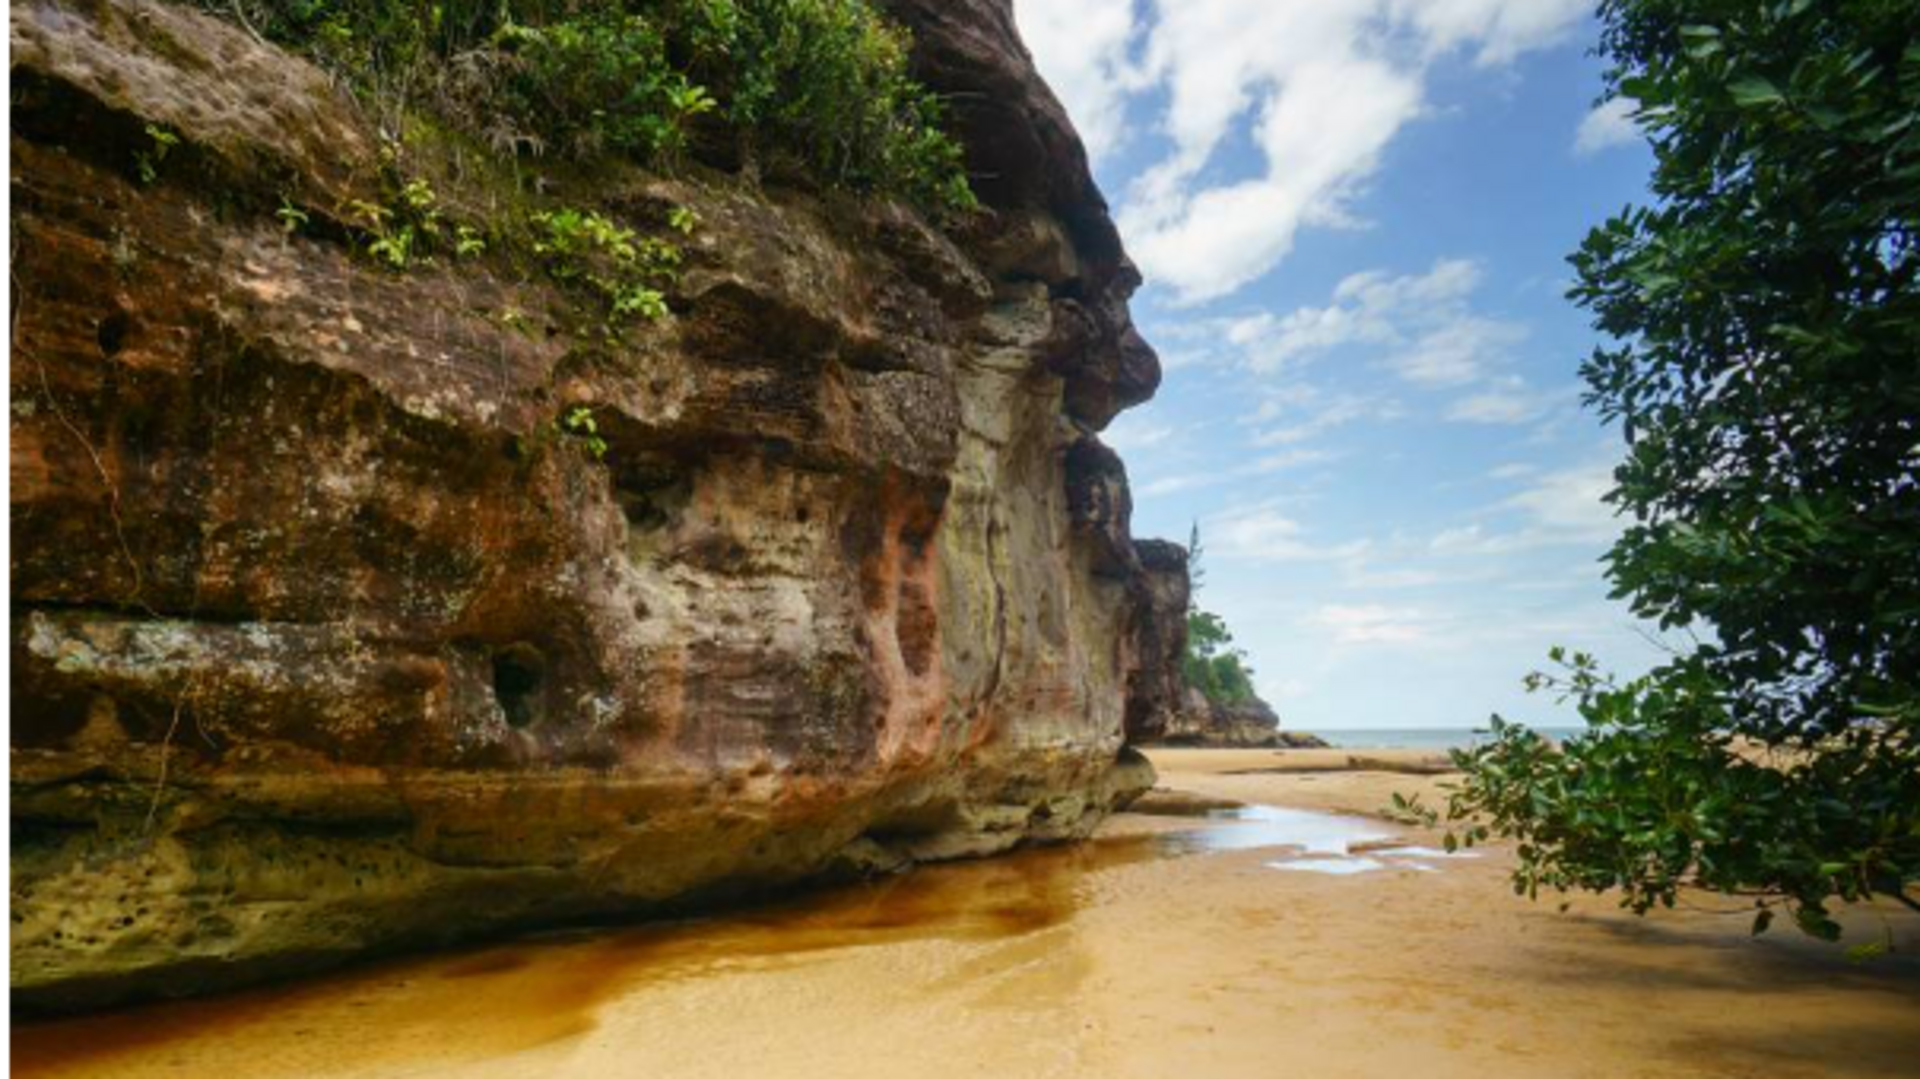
<point>1767,380</point>
<point>1211,664</point>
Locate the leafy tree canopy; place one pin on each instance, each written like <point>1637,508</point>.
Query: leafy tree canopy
<point>1211,664</point>
<point>1766,375</point>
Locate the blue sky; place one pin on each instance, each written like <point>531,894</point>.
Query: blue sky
<point>1353,217</point>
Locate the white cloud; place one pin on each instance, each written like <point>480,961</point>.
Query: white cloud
<point>1434,337</point>
<point>1429,332</point>
<point>1262,533</point>
<point>1132,432</point>
<point>1449,281</point>
<point>1610,124</point>
<point>1426,314</point>
<point>1297,412</point>
<point>1269,342</point>
<point>1361,576</point>
<point>1167,485</point>
<point>1478,541</point>
<point>1177,359</point>
<point>1320,88</point>
<point>1560,508</point>
<point>1281,691</point>
<point>1569,502</point>
<point>1321,136</point>
<point>1083,49</point>
<point>1457,351</point>
<point>1507,402</point>
<point>1285,459</point>
<point>1372,624</point>
<point>1503,29</point>
<point>1337,411</point>
<point>1253,530</point>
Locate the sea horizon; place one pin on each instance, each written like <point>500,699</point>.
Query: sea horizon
<point>1419,737</point>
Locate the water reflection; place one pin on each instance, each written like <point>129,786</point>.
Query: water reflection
<point>1338,867</point>
<point>1255,826</point>
<point>485,1003</point>
<point>488,1002</point>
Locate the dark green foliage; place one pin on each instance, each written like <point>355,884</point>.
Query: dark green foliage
<point>1210,663</point>
<point>1661,795</point>
<point>827,80</point>
<point>823,82</point>
<point>1767,379</point>
<point>597,83</point>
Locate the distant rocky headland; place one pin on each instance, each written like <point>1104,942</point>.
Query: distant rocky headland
<point>1250,724</point>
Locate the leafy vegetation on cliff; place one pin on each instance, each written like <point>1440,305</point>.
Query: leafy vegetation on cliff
<point>1767,314</point>
<point>1211,663</point>
<point>823,84</point>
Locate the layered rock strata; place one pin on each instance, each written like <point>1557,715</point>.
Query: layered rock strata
<point>329,636</point>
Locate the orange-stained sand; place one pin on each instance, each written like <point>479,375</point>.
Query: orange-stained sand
<point>1115,958</point>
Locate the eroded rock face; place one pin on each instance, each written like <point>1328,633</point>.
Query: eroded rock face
<point>1157,693</point>
<point>1247,725</point>
<point>326,637</point>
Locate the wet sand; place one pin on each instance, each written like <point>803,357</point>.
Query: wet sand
<point>1169,947</point>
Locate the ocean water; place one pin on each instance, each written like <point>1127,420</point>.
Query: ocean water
<point>1435,738</point>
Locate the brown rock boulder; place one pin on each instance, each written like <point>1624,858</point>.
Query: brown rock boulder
<point>1247,725</point>
<point>328,638</point>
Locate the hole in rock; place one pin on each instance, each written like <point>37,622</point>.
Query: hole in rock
<point>652,491</point>
<point>518,672</point>
<point>112,334</point>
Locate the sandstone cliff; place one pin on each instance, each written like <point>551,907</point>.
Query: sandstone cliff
<point>328,635</point>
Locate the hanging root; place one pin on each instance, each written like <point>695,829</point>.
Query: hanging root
<point>73,429</point>
<point>166,754</point>
<point>20,288</point>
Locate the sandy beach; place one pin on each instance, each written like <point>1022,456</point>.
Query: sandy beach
<point>1170,946</point>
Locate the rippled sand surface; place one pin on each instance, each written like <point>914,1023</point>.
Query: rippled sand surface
<point>1170,947</point>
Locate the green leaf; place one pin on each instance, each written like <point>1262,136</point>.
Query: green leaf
<point>1701,41</point>
<point>1753,91</point>
<point>1814,922</point>
<point>1861,953</point>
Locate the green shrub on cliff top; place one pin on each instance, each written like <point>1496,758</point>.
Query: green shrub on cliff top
<point>827,81</point>
<point>823,83</point>
<point>600,82</point>
<point>1210,663</point>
